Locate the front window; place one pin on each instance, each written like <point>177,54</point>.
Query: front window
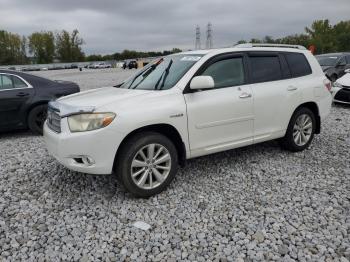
<point>327,60</point>
<point>162,74</point>
<point>227,72</point>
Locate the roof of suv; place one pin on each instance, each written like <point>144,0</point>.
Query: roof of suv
<point>239,48</point>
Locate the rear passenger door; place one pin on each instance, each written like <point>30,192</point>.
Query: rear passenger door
<point>276,94</point>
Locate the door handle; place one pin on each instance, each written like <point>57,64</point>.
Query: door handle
<point>245,95</point>
<point>22,94</point>
<point>292,88</point>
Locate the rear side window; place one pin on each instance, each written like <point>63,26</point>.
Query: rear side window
<point>18,83</point>
<point>265,68</point>
<point>298,64</point>
<point>226,73</point>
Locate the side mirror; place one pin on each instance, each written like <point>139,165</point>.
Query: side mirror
<point>202,82</point>
<point>347,71</point>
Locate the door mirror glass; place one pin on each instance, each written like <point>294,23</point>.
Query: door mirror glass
<point>202,82</point>
<point>347,70</point>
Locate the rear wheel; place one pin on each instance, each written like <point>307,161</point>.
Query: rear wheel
<point>36,119</point>
<point>147,164</point>
<point>301,130</point>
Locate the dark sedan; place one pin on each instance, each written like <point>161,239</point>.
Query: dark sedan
<point>334,65</point>
<point>24,98</point>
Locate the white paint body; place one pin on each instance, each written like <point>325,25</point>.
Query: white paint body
<point>211,121</point>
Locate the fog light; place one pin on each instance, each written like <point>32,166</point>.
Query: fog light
<point>84,160</point>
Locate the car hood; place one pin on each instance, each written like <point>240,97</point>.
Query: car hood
<point>344,80</point>
<point>100,97</point>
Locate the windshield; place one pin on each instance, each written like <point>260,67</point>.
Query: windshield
<point>163,73</point>
<point>327,60</point>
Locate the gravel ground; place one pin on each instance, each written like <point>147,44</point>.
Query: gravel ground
<point>249,204</point>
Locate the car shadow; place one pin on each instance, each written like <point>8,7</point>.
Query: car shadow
<point>20,133</point>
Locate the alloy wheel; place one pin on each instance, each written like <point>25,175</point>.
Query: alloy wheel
<point>302,130</point>
<point>151,166</point>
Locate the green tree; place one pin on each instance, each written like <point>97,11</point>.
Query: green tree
<point>42,46</point>
<point>68,46</point>
<point>12,48</point>
<point>321,35</point>
<point>341,35</point>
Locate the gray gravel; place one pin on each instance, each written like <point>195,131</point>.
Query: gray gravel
<point>251,204</point>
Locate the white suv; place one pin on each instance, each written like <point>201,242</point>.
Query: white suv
<point>188,105</point>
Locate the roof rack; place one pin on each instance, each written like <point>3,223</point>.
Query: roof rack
<point>250,45</point>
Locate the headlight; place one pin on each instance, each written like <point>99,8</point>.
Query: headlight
<point>88,122</point>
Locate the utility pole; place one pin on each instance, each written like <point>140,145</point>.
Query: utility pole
<point>198,38</point>
<point>209,42</point>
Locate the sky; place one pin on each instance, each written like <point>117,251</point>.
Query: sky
<point>109,26</point>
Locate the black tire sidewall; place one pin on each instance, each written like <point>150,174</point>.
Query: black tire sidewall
<point>128,151</point>
<point>31,119</point>
<point>288,141</point>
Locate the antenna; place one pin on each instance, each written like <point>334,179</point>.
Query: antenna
<point>209,43</point>
<point>198,38</point>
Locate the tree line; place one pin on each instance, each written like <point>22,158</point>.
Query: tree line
<point>44,47</point>
<point>131,54</point>
<point>326,38</point>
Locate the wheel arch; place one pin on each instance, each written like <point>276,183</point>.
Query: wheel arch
<point>165,129</point>
<point>33,105</point>
<point>314,108</point>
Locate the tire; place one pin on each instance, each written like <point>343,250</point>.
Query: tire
<point>134,159</point>
<point>294,142</point>
<point>36,119</point>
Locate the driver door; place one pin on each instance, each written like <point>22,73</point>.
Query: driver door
<point>221,118</point>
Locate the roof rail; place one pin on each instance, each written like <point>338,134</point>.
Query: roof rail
<point>250,45</point>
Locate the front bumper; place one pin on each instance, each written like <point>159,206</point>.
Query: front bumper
<point>99,147</point>
<point>341,95</point>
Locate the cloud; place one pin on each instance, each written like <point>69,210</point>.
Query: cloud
<point>109,26</point>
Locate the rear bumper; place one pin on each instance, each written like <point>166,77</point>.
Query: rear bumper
<point>99,147</point>
<point>324,106</point>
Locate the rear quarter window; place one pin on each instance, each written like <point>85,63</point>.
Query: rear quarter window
<point>298,64</point>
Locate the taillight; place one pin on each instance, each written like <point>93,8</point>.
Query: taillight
<point>327,84</point>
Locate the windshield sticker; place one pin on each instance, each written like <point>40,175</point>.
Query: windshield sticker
<point>190,58</point>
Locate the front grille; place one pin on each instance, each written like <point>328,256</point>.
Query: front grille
<point>53,120</point>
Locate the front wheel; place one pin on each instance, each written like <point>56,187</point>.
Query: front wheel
<point>147,164</point>
<point>301,130</point>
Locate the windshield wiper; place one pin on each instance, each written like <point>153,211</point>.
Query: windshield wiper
<point>144,73</point>
<point>165,74</point>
